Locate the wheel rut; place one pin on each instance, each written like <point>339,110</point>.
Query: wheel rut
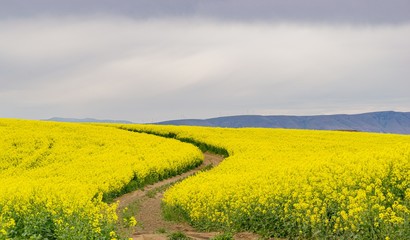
<point>149,199</point>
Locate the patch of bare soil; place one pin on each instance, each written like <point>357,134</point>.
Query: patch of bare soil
<point>149,215</point>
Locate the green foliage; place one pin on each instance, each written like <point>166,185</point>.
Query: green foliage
<point>161,230</point>
<point>223,236</point>
<point>175,214</point>
<point>39,222</point>
<point>153,177</point>
<point>205,147</point>
<point>178,236</point>
<point>126,217</point>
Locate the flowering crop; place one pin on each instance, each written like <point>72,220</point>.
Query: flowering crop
<point>53,176</point>
<point>298,183</point>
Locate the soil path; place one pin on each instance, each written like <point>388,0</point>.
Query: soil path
<point>149,214</point>
<point>127,199</point>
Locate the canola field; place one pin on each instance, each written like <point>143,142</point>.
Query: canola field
<point>299,184</point>
<point>55,178</point>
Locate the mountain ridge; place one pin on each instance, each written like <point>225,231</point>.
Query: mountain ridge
<point>384,122</point>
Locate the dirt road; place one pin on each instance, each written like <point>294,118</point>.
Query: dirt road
<point>149,215</point>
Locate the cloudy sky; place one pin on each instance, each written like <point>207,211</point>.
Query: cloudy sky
<point>148,60</point>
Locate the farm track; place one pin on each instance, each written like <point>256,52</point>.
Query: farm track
<point>149,199</point>
<point>127,199</point>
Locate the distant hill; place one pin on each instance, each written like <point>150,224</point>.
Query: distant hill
<point>384,122</point>
<point>57,119</point>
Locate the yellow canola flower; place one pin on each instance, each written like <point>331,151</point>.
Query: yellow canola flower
<point>53,176</point>
<point>304,183</point>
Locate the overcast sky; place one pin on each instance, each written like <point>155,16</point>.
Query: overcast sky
<point>148,61</point>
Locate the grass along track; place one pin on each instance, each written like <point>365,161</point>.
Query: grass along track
<point>148,201</point>
<point>126,199</point>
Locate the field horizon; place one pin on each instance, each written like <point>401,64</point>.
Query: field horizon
<point>380,121</point>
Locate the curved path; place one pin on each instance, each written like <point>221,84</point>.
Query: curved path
<point>149,199</point>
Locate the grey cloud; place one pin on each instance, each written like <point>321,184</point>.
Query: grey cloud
<point>348,11</point>
<point>152,70</point>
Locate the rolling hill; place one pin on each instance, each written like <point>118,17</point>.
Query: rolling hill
<point>384,122</point>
